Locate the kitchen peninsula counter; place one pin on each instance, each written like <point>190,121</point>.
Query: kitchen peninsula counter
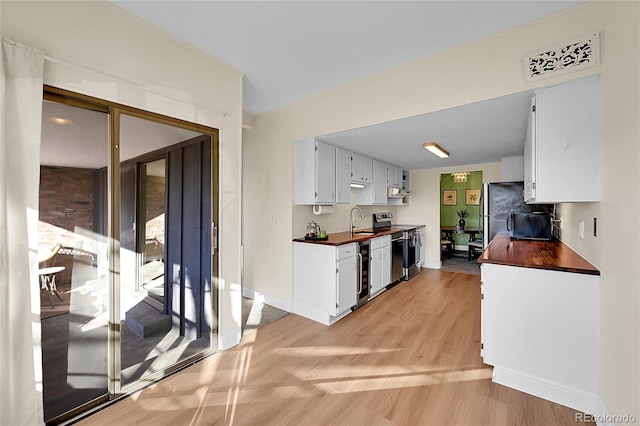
<point>540,322</point>
<point>550,255</point>
<point>340,238</point>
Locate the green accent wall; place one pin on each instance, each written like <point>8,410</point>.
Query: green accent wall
<point>448,215</point>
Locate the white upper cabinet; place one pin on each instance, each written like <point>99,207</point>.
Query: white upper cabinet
<point>562,147</point>
<point>357,175</point>
<point>380,182</point>
<point>394,177</point>
<point>323,175</point>
<point>376,193</point>
<point>361,169</point>
<point>367,170</point>
<point>343,176</point>
<point>314,172</point>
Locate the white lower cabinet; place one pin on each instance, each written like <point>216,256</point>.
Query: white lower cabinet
<point>540,331</point>
<point>380,264</point>
<point>325,280</point>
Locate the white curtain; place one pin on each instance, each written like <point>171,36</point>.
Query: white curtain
<point>20,121</point>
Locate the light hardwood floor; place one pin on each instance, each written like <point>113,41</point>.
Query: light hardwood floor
<point>411,356</point>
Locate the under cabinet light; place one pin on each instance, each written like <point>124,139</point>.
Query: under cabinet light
<point>436,149</point>
<point>357,185</point>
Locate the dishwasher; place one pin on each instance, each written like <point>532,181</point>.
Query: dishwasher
<point>397,254</point>
<point>382,221</point>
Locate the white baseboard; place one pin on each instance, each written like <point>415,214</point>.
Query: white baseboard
<point>229,339</point>
<point>317,315</point>
<point>432,265</point>
<point>578,399</point>
<point>312,313</point>
<point>270,300</point>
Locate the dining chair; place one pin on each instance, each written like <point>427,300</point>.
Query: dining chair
<point>474,248</point>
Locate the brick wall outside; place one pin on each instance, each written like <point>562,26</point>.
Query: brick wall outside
<point>66,203</point>
<point>155,207</point>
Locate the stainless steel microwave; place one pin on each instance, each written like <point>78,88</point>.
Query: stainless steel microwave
<point>530,226</point>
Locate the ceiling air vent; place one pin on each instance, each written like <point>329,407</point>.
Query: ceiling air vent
<point>578,54</point>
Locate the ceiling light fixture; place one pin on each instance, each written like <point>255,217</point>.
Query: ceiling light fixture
<point>460,177</point>
<point>60,120</point>
<point>436,149</point>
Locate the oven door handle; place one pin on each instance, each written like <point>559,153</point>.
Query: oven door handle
<point>360,267</point>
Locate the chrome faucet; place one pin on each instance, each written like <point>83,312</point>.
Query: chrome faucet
<point>351,226</point>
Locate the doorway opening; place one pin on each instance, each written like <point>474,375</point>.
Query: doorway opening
<point>151,235</point>
<point>460,219</point>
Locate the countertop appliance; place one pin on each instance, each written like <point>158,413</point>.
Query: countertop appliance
<point>497,201</point>
<point>530,226</point>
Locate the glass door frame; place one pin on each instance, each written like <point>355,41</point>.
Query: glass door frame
<point>114,111</point>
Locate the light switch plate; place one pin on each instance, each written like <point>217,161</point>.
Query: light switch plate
<point>581,229</point>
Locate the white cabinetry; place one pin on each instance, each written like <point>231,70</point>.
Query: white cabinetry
<point>562,147</point>
<point>343,176</point>
<point>367,170</point>
<point>380,176</point>
<point>394,176</point>
<point>314,172</point>
<point>325,280</point>
<point>512,169</point>
<point>540,331</point>
<point>380,264</point>
<point>361,169</point>
<point>376,193</point>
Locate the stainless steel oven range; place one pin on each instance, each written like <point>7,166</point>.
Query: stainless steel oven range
<point>382,222</point>
<point>406,247</point>
<point>411,246</point>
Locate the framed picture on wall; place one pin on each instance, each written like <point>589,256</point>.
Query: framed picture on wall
<point>473,197</point>
<point>450,197</point>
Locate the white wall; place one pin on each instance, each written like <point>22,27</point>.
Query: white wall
<point>488,68</point>
<point>97,49</point>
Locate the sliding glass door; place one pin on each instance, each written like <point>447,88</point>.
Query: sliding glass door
<point>165,246</point>
<point>127,213</point>
<point>74,259</point>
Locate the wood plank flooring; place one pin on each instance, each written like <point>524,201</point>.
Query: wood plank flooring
<point>411,356</point>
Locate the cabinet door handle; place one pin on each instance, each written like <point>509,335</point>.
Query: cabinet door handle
<point>360,266</point>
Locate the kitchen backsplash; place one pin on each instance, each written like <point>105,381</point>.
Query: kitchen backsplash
<point>337,221</point>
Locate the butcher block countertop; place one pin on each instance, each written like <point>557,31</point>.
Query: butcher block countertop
<point>553,255</point>
<point>339,238</point>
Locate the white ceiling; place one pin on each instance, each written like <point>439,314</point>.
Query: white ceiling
<point>293,49</point>
<point>290,50</point>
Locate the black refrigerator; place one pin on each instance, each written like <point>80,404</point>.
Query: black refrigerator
<point>497,201</point>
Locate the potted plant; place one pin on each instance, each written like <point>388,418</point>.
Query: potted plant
<point>461,215</point>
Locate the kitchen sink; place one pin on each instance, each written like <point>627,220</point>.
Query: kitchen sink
<point>365,232</point>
